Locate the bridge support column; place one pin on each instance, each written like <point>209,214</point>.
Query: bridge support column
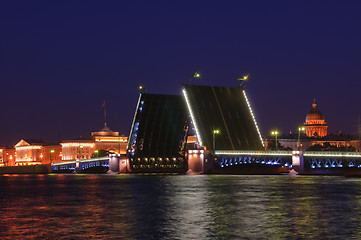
<point>199,161</point>
<point>118,163</point>
<point>114,160</point>
<point>77,166</point>
<point>297,161</point>
<point>123,165</point>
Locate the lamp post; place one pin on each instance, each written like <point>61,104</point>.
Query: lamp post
<point>195,75</point>
<point>299,135</point>
<point>51,151</point>
<point>119,145</point>
<point>215,132</point>
<point>275,133</point>
<point>80,147</point>
<point>243,79</point>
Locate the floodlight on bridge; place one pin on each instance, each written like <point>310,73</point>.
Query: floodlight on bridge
<point>253,117</point>
<point>192,117</point>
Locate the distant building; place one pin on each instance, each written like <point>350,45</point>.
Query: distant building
<point>110,141</point>
<point>315,123</point>
<point>77,149</point>
<point>105,139</point>
<point>7,156</point>
<point>315,134</point>
<point>30,152</point>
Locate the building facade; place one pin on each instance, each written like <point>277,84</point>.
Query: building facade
<point>30,152</point>
<point>7,156</point>
<point>103,140</point>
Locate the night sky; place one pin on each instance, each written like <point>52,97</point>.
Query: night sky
<point>59,60</point>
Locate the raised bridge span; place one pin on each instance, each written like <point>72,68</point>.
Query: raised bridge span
<point>221,121</point>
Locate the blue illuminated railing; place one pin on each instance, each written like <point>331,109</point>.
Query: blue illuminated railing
<point>260,158</point>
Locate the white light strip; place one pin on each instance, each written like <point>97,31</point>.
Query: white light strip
<point>27,147</point>
<point>63,163</point>
<point>255,153</point>
<point>94,159</point>
<point>332,154</point>
<point>135,115</point>
<point>254,119</point>
<point>193,120</point>
<point>111,140</point>
<point>77,144</point>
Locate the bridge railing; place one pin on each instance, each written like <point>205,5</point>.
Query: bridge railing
<point>332,154</point>
<point>332,160</point>
<point>82,161</point>
<point>253,158</point>
<point>254,153</point>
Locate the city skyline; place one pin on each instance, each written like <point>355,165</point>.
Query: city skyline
<point>59,62</point>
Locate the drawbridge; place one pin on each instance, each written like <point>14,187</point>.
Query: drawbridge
<point>158,134</point>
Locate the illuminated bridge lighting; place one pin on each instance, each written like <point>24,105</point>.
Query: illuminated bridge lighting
<point>254,119</point>
<point>255,153</point>
<point>192,116</point>
<point>135,115</point>
<point>332,154</point>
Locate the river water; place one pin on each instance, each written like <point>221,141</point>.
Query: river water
<point>179,207</point>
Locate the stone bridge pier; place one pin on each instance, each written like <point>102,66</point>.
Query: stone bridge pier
<point>118,163</point>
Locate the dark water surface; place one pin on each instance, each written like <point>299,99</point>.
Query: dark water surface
<point>179,207</point>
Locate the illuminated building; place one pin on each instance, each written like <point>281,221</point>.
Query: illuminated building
<point>77,149</point>
<point>315,123</point>
<point>7,156</point>
<point>30,152</point>
<point>51,154</point>
<point>315,135</point>
<point>1,158</point>
<point>105,139</point>
<point>110,141</point>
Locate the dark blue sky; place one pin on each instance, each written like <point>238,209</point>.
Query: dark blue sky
<point>61,59</point>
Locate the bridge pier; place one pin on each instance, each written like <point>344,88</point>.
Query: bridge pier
<point>199,161</point>
<point>118,163</point>
<point>298,162</point>
<point>114,163</point>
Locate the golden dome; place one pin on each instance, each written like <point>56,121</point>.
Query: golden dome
<point>314,114</point>
<point>315,123</point>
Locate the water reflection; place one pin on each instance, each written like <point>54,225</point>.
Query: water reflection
<point>179,207</point>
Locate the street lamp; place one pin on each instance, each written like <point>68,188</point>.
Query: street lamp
<point>80,147</point>
<point>119,144</point>
<point>299,133</point>
<point>51,151</point>
<point>215,132</point>
<point>243,79</point>
<point>97,152</point>
<point>275,133</point>
<point>142,89</point>
<point>195,75</point>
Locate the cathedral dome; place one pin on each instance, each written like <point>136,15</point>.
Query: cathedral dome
<point>314,114</point>
<point>315,125</point>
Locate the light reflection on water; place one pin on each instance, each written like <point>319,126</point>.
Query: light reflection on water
<point>179,207</point>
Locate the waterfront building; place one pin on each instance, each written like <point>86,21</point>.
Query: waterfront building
<point>7,156</point>
<point>77,149</point>
<point>1,158</point>
<point>30,152</point>
<point>103,140</point>
<point>110,141</point>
